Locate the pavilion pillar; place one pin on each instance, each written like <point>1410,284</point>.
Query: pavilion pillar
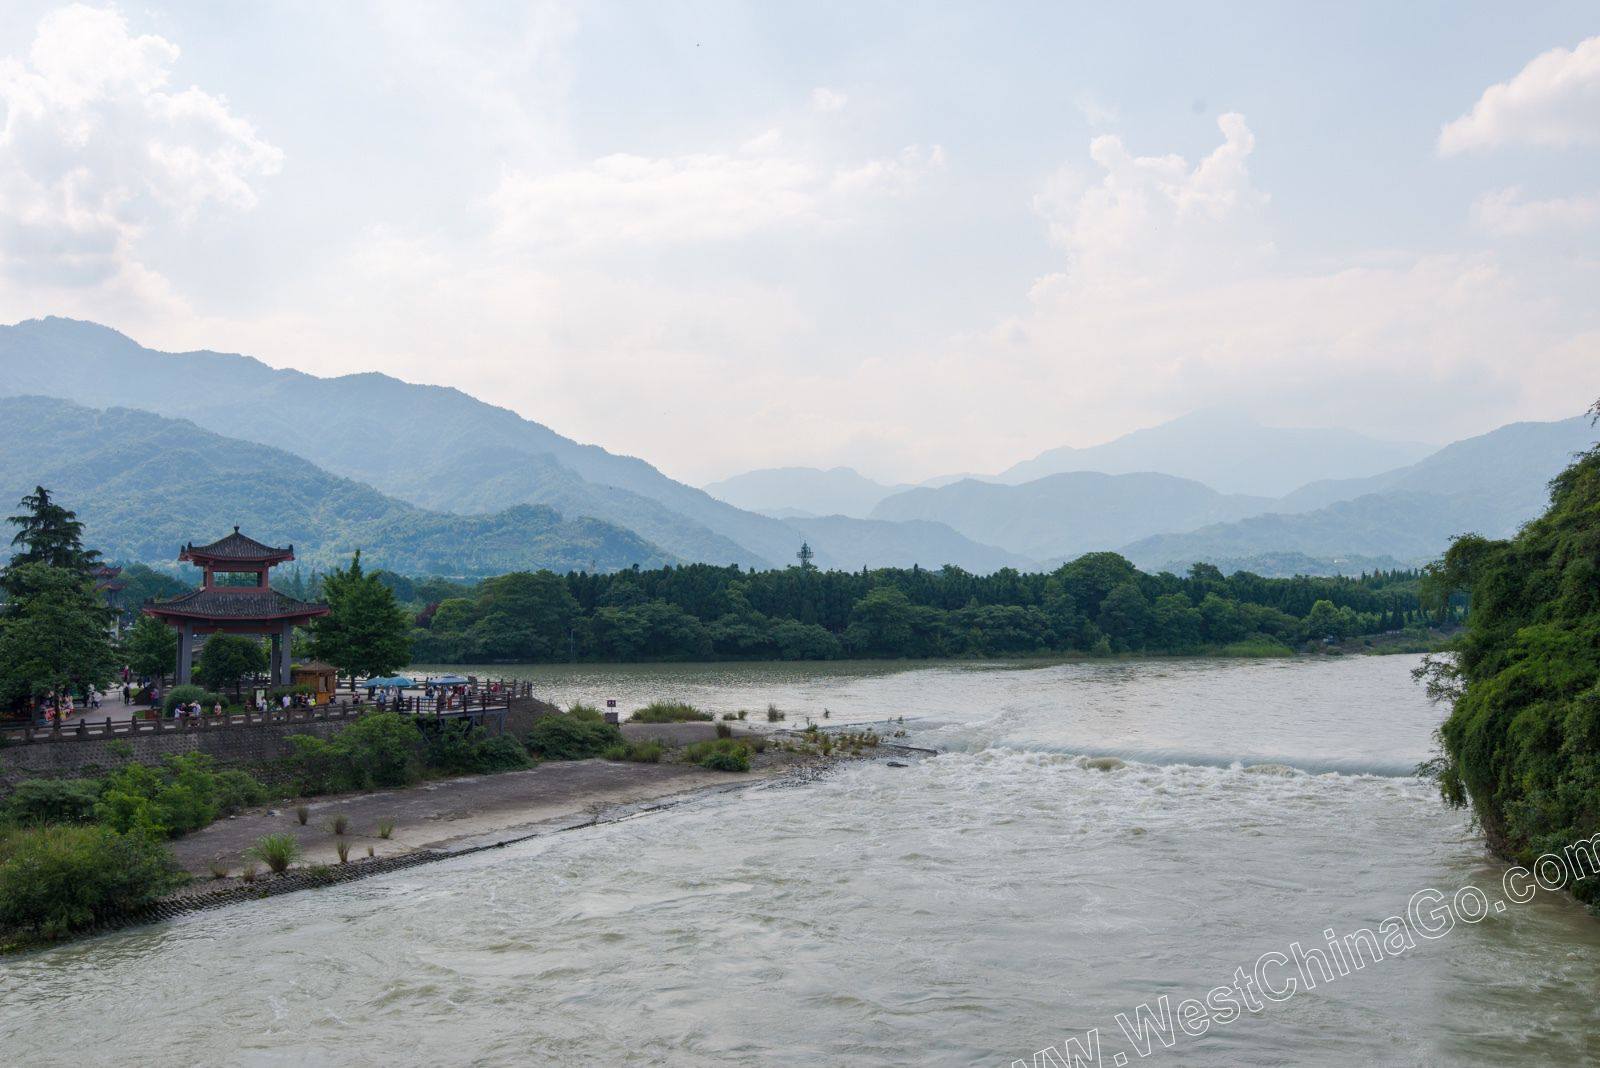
<point>185,652</point>
<point>286,655</point>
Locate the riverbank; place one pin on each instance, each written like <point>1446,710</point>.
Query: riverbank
<point>445,816</point>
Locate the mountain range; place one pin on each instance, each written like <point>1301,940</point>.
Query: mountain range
<point>435,447</point>
<point>144,485</point>
<point>156,448</point>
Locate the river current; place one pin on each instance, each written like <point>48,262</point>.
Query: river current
<point>1092,837</point>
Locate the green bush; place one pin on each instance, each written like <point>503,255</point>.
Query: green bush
<point>184,795</point>
<point>571,737</point>
<point>316,767</point>
<point>36,801</point>
<point>380,749</point>
<point>722,754</point>
<point>186,694</point>
<point>58,879</point>
<point>668,712</point>
<point>457,747</point>
<point>384,749</point>
<point>639,752</point>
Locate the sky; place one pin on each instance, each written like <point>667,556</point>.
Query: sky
<point>913,239</point>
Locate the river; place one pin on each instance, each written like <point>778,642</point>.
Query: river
<point>968,909</point>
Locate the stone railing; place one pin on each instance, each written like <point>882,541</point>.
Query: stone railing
<point>482,709</point>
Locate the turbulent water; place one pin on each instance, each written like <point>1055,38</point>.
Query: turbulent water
<point>1091,838</point>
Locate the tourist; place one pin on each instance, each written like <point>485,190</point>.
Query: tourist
<point>216,709</point>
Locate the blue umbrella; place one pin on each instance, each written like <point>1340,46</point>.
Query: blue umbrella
<point>392,680</point>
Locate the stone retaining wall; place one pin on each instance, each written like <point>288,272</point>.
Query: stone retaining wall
<point>250,746</point>
<point>240,746</point>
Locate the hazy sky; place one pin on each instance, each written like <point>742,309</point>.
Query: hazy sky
<point>913,238</point>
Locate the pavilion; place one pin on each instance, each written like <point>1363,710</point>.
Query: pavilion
<point>218,609</point>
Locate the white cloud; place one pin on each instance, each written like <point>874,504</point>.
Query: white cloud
<point>1553,102</point>
<point>717,196</point>
<point>1508,213</point>
<point>1151,216</point>
<point>825,99</point>
<point>96,150</point>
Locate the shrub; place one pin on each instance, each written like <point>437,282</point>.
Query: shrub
<point>54,880</point>
<point>186,694</point>
<point>724,731</point>
<point>773,715</point>
<point>639,752</point>
<point>219,869</point>
<point>237,790</point>
<point>302,813</point>
<point>669,712</point>
<point>379,749</point>
<point>184,795</point>
<point>36,801</point>
<point>383,749</point>
<point>339,825</point>
<point>723,754</point>
<point>569,737</point>
<point>460,748</point>
<point>385,828</point>
<point>343,849</point>
<point>276,851</point>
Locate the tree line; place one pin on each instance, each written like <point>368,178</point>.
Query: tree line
<point>1098,604</point>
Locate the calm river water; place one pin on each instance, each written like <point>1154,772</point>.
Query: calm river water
<point>969,909</point>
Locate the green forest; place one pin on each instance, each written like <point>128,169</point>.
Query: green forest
<point>1522,743</point>
<point>1098,604</point>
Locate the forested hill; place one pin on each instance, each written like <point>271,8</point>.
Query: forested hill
<point>1098,604</point>
<point>144,485</point>
<point>1522,743</point>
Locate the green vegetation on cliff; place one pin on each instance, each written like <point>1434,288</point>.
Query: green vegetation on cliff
<point>1522,743</point>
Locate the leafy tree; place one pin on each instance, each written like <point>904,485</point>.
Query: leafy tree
<point>365,632</point>
<point>150,647</point>
<point>227,658</point>
<point>56,639</point>
<point>1125,615</point>
<point>1324,621</point>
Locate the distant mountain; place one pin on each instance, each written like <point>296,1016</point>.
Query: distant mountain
<point>1410,527</point>
<point>1069,514</point>
<point>1507,469</point>
<point>434,447</point>
<point>144,485</point>
<point>1490,485</point>
<point>835,491</point>
<point>1230,452</point>
<point>874,543</point>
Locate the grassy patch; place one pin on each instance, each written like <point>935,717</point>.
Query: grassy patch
<point>669,712</point>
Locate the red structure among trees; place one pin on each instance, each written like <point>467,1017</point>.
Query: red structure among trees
<point>228,609</point>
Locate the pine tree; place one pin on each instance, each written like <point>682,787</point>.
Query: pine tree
<point>50,534</point>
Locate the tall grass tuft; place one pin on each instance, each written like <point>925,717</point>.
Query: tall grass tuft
<point>339,824</point>
<point>276,851</point>
<point>343,849</point>
<point>385,828</point>
<point>773,715</point>
<point>219,869</point>
<point>302,813</point>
